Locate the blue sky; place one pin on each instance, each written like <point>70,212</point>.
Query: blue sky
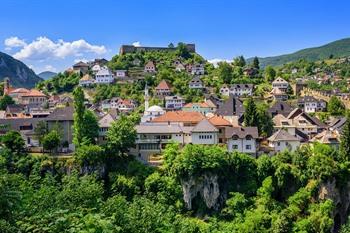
<point>53,34</point>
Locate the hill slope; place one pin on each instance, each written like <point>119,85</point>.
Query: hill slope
<point>339,48</point>
<point>47,74</point>
<point>20,75</point>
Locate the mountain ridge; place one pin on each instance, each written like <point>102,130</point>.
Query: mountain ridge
<point>20,74</point>
<point>337,49</point>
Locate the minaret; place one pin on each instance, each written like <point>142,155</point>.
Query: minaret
<point>146,97</point>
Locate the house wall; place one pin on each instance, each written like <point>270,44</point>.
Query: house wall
<point>284,145</point>
<point>241,145</point>
<point>204,138</point>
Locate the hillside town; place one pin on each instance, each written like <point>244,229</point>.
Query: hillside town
<point>219,118</point>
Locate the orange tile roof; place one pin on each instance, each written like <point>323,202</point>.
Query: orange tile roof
<point>19,90</point>
<point>180,116</point>
<point>202,105</point>
<point>34,93</point>
<point>219,121</point>
<point>163,85</point>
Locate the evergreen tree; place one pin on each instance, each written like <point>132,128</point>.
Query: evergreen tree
<point>270,74</point>
<point>79,112</point>
<point>251,116</point>
<point>239,61</point>
<point>256,63</point>
<point>5,101</point>
<point>345,139</point>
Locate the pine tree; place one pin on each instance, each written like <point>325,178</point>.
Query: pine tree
<point>256,63</point>
<point>79,111</point>
<point>251,116</point>
<point>345,139</point>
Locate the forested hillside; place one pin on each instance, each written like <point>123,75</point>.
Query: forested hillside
<point>336,49</point>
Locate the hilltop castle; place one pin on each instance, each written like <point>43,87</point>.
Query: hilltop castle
<point>131,48</point>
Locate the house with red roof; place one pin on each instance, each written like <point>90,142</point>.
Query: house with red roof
<point>163,89</point>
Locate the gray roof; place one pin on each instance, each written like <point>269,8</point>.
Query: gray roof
<point>241,132</point>
<point>14,108</point>
<point>204,126</point>
<point>61,114</point>
<point>196,79</point>
<point>280,107</point>
<point>158,128</point>
<point>233,106</point>
<point>16,123</point>
<point>250,86</point>
<point>338,124</point>
<point>282,135</point>
<point>306,99</point>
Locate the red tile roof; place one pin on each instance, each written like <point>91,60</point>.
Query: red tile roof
<point>163,85</point>
<point>34,93</point>
<point>180,116</point>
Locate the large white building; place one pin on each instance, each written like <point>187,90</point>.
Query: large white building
<point>310,104</point>
<point>237,90</point>
<point>282,140</point>
<point>104,76</point>
<point>242,139</point>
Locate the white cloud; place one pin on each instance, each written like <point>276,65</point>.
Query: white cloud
<point>137,44</point>
<point>79,60</point>
<point>14,42</point>
<point>215,61</point>
<point>42,48</point>
<point>50,68</point>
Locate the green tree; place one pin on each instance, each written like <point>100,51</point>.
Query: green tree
<point>91,127</point>
<point>256,63</point>
<point>182,51</point>
<point>225,72</point>
<point>13,141</point>
<point>79,112</point>
<point>51,141</point>
<point>40,131</point>
<point>121,136</point>
<point>5,101</point>
<point>239,61</point>
<point>251,117</point>
<point>89,154</point>
<point>345,140</point>
<point>335,106</point>
<point>270,74</point>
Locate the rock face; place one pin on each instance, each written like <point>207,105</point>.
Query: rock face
<point>206,187</point>
<point>19,74</point>
<point>341,199</point>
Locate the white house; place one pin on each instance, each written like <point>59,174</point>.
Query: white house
<point>120,73</point>
<point>197,69</point>
<point>310,104</point>
<point>96,68</point>
<point>104,76</point>
<point>237,90</point>
<point>282,140</point>
<point>150,67</point>
<point>281,84</point>
<point>174,102</point>
<point>242,139</point>
<point>196,83</point>
<point>180,67</point>
<point>205,133</point>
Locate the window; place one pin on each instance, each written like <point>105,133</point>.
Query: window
<point>248,147</point>
<point>278,143</point>
<point>234,147</point>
